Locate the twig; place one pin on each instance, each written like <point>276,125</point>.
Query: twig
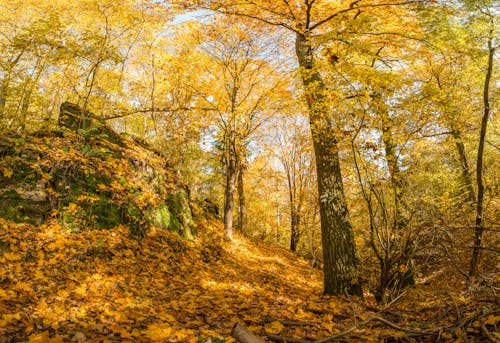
<point>343,333</point>
<point>433,331</point>
<point>488,334</point>
<point>293,323</point>
<point>288,322</point>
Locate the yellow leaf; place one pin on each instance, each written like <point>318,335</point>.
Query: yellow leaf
<point>274,328</point>
<point>63,293</point>
<point>7,172</point>
<point>158,332</point>
<point>9,318</point>
<point>166,317</point>
<point>398,334</point>
<point>23,286</point>
<point>81,290</point>
<point>184,335</point>
<point>492,320</point>
<point>39,337</point>
<point>12,256</point>
<point>4,294</point>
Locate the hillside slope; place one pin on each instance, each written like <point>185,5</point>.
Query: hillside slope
<point>109,285</point>
<point>98,244</point>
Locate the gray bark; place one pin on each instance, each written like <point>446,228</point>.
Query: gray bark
<point>339,252</point>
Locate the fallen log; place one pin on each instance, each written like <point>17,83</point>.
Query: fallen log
<point>243,335</point>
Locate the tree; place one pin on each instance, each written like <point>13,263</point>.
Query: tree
<point>294,153</point>
<point>244,91</point>
<point>488,15</point>
<point>304,20</point>
<point>462,71</point>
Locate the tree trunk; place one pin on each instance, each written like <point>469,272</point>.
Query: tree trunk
<point>28,93</point>
<point>229,197</point>
<point>339,253</point>
<point>231,179</point>
<point>242,215</point>
<point>294,207</point>
<point>466,175</point>
<point>3,96</point>
<point>478,234</point>
<point>400,250</point>
<point>295,228</point>
<point>4,87</point>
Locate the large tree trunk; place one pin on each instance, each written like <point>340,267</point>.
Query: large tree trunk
<point>478,234</point>
<point>242,214</point>
<point>339,252</point>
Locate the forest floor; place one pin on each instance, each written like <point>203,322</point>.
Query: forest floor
<point>109,286</point>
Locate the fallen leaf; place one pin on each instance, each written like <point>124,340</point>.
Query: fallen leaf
<point>7,173</point>
<point>39,337</point>
<point>274,327</point>
<point>158,332</point>
<point>79,337</point>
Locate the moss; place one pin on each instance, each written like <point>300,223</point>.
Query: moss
<point>100,215</point>
<point>105,215</point>
<point>161,217</point>
<point>175,225</point>
<point>133,217</point>
<point>179,206</point>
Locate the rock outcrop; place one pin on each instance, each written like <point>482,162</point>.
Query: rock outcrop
<point>89,177</point>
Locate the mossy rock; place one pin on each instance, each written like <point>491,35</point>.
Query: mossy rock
<point>91,183</point>
<point>105,215</point>
<point>86,123</point>
<point>22,194</point>
<point>161,217</point>
<point>22,210</point>
<point>178,204</point>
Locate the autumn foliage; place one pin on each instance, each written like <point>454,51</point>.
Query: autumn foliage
<point>157,157</point>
